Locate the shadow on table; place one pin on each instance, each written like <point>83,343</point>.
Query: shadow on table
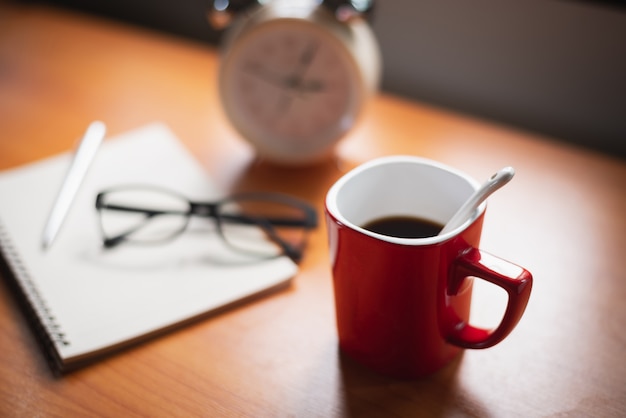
<point>309,181</point>
<point>367,393</point>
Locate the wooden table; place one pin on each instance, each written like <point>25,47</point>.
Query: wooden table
<point>563,217</point>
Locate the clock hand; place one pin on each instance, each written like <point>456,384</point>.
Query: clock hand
<point>300,90</point>
<point>312,86</point>
<point>296,80</point>
<point>295,84</point>
<point>269,76</point>
<point>290,83</point>
<point>307,55</point>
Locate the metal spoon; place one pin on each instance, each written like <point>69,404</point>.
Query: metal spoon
<point>496,181</point>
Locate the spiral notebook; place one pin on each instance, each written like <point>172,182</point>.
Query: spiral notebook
<point>85,301</point>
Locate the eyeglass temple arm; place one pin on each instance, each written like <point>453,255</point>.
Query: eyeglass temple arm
<point>250,220</point>
<point>291,251</point>
<point>110,242</point>
<point>308,221</point>
<point>208,210</point>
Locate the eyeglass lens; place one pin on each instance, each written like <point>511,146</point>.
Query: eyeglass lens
<point>265,221</point>
<point>258,226</point>
<point>143,215</point>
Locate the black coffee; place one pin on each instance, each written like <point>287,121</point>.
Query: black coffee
<point>404,227</point>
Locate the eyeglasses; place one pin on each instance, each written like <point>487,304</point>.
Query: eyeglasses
<point>262,225</point>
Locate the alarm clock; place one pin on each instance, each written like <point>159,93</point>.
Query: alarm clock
<point>294,75</point>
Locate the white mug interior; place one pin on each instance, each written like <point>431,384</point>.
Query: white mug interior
<point>401,186</point>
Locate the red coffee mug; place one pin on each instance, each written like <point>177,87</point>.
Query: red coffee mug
<point>403,304</point>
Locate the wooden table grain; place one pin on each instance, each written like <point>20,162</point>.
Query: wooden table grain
<point>562,217</point>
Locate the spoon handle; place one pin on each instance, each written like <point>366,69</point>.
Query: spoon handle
<point>496,181</point>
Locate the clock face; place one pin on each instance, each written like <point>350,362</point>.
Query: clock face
<point>290,87</point>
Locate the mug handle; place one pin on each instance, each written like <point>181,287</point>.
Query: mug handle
<point>517,282</point>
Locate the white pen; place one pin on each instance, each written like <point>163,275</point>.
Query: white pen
<point>83,157</point>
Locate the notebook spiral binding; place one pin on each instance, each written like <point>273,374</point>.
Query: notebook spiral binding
<point>39,313</point>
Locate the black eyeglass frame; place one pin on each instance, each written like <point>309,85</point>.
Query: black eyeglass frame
<point>211,209</point>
